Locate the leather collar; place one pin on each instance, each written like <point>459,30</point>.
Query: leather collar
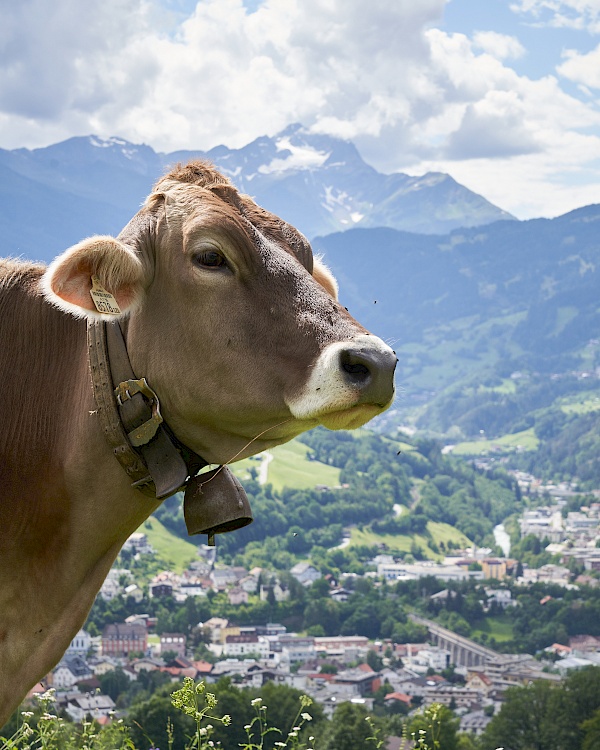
<point>129,412</point>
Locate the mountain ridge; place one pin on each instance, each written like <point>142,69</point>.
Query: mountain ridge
<point>316,182</point>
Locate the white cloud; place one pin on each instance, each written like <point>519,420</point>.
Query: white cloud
<point>502,46</point>
<point>381,73</point>
<point>583,69</point>
<point>561,14</point>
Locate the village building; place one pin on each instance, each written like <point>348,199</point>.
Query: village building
<point>123,639</point>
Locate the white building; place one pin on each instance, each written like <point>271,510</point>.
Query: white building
<point>81,644</point>
<point>414,571</point>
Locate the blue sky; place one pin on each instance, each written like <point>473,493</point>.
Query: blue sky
<point>501,94</point>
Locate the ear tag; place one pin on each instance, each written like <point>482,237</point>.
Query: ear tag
<point>104,301</point>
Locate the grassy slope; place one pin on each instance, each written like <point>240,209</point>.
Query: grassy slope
<point>525,440</point>
<point>291,468</point>
<point>499,627</point>
<point>171,548</point>
<point>440,532</point>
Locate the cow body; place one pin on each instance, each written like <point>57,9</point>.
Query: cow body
<point>233,325</point>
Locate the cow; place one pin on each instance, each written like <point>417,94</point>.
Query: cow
<point>230,336</point>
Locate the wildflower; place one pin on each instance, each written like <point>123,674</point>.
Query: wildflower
<point>211,700</point>
<point>226,720</point>
<point>26,713</point>
<point>306,717</point>
<point>305,701</point>
<point>256,702</point>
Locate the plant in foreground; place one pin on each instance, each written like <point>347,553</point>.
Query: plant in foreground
<point>187,699</point>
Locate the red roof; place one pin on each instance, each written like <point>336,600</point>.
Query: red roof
<point>398,697</point>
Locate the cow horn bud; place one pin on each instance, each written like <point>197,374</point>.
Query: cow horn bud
<point>215,502</point>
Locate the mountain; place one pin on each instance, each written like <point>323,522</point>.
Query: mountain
<point>510,295</point>
<point>56,195</point>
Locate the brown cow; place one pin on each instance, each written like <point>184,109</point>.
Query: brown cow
<point>232,324</point>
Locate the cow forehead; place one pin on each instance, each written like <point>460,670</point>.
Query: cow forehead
<point>189,207</point>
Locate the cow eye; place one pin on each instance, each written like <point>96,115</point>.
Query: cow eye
<point>209,259</point>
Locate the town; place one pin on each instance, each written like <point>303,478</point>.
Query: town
<point>441,666</point>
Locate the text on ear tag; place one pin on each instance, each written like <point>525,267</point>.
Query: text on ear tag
<point>104,301</point>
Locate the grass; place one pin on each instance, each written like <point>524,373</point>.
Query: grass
<point>172,549</point>
<point>440,532</point>
<point>499,628</point>
<point>524,441</point>
<point>581,403</point>
<point>290,467</point>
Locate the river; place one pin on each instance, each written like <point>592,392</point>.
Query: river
<point>502,539</point>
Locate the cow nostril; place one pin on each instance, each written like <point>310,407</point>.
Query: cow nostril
<point>357,369</point>
<point>356,365</point>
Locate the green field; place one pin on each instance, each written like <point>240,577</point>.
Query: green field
<point>526,441</point>
<point>440,532</point>
<point>499,628</point>
<point>581,403</point>
<point>290,467</point>
<point>172,549</point>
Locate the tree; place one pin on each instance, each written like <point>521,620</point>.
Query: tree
<point>114,682</point>
<point>523,721</point>
<point>348,729</point>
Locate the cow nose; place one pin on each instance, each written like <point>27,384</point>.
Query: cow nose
<point>368,365</point>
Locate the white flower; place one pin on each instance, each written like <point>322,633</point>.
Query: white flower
<point>306,717</point>
<point>256,702</point>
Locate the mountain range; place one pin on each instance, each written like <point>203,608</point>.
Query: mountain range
<point>52,197</point>
<point>467,290</point>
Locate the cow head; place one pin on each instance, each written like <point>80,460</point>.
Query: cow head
<point>230,319</point>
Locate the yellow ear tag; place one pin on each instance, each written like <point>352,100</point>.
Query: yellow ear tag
<point>104,301</point>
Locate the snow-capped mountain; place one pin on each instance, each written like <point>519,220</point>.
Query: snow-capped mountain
<point>53,196</point>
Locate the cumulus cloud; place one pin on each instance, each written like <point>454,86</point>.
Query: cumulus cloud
<point>583,69</point>
<point>502,46</point>
<point>382,73</point>
<point>561,14</point>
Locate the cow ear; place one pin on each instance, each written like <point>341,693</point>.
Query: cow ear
<point>325,278</point>
<point>102,265</point>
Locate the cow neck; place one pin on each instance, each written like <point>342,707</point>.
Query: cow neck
<point>129,412</point>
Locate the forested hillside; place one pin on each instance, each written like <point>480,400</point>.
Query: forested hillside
<point>387,487</point>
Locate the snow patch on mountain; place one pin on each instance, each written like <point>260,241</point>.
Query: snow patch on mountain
<point>297,158</point>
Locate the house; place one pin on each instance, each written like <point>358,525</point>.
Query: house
<point>280,593</point>
<point>103,664</point>
<point>80,644</point>
<point>237,596</point>
<point>249,583</point>
<point>123,639</point>
<point>223,577</point>
<point>245,644</point>
<point>134,591</point>
<point>359,681</point>
<point>214,627</point>
<point>138,544</point>
<point>160,589</point>
<point>172,642</point>
<point>70,670</point>
<point>305,573</point>
<point>95,706</point>
<point>397,699</point>
<point>147,664</point>
<point>474,722</point>
<point>339,594</point>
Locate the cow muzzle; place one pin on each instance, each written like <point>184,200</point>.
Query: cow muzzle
<point>350,383</point>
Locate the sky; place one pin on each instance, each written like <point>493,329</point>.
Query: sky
<point>504,95</point>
